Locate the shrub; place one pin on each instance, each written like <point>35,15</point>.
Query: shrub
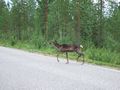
<point>103,55</point>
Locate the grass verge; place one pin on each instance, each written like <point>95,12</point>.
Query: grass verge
<point>101,57</point>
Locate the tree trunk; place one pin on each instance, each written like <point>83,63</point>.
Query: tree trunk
<point>46,19</point>
<point>77,23</point>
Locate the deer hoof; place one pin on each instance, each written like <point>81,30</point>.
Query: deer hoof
<point>82,63</point>
<point>67,63</point>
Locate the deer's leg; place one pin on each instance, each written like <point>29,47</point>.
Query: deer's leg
<point>81,54</point>
<point>83,57</point>
<point>78,57</point>
<point>57,56</point>
<point>67,58</point>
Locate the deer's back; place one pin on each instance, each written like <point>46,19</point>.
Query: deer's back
<point>69,48</point>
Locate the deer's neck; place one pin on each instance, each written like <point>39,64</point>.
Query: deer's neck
<point>57,45</point>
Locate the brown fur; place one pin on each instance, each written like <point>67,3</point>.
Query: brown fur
<point>65,48</point>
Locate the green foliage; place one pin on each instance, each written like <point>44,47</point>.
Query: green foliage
<point>38,42</point>
<point>103,55</point>
<point>13,41</point>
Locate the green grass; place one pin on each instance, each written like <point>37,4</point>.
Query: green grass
<point>103,55</point>
<point>92,55</point>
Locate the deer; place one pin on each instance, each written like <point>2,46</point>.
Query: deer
<point>65,48</point>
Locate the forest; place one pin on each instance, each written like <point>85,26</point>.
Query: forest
<point>32,24</point>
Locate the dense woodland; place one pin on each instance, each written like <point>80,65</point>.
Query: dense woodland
<point>95,25</point>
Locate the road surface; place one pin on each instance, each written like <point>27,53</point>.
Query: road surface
<point>21,70</point>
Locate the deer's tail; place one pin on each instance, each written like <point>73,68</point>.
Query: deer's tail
<point>81,46</point>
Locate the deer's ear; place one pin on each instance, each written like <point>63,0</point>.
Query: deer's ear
<point>50,42</point>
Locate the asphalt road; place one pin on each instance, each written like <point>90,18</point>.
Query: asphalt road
<point>21,70</point>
